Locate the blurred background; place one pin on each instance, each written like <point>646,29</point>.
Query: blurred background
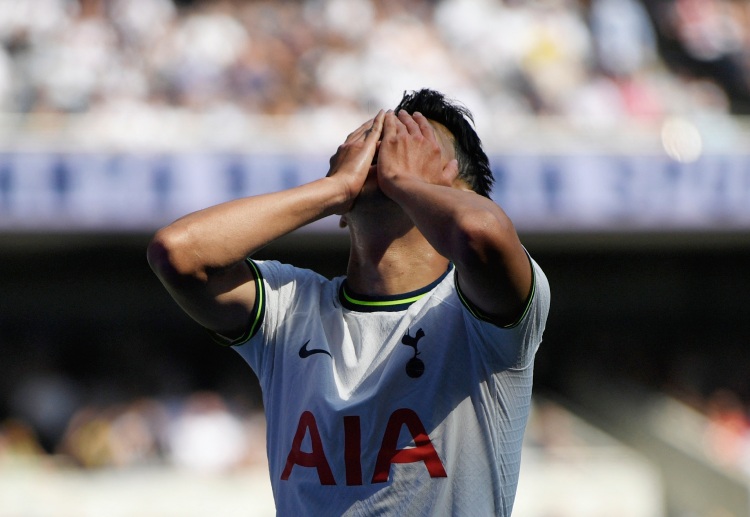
<point>619,137</point>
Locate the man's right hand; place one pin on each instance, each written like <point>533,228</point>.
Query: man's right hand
<point>353,159</point>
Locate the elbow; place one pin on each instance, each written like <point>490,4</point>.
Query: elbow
<point>157,254</point>
<point>486,236</point>
<point>169,255</point>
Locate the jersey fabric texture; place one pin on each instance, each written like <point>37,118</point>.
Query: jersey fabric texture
<point>399,405</point>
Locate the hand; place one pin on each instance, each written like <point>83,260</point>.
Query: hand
<point>411,149</point>
<point>353,159</point>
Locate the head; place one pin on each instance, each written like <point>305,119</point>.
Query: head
<point>473,164</point>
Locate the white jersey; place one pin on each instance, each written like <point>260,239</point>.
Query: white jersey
<point>400,405</point>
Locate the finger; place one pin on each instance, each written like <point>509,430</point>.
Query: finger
<point>424,125</point>
<point>390,123</point>
<point>407,120</point>
<point>360,130</point>
<point>376,128</point>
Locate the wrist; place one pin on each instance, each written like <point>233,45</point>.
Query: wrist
<point>342,194</point>
<point>398,186</point>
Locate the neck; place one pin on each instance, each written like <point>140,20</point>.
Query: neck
<point>382,265</point>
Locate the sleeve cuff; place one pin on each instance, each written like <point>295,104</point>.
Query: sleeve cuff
<point>478,314</point>
<point>256,317</point>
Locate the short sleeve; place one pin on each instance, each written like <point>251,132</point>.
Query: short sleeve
<point>514,346</point>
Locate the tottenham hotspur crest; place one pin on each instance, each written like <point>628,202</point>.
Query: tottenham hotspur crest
<point>415,366</point>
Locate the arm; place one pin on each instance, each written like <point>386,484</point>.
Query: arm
<point>200,257</point>
<point>493,270</point>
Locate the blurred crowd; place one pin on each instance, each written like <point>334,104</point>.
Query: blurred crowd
<point>589,62</point>
<point>202,432</point>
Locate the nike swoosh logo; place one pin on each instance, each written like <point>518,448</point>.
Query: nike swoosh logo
<point>304,352</point>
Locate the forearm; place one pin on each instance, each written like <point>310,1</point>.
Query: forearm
<point>225,234</point>
<point>199,258</point>
<point>461,225</point>
<point>478,237</point>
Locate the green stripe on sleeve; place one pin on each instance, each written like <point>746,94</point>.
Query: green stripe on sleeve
<point>478,314</point>
<point>256,318</point>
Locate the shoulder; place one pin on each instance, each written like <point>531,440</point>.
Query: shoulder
<point>275,272</point>
<point>284,284</point>
<point>538,305</point>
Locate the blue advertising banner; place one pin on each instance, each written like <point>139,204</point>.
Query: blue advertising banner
<point>123,192</point>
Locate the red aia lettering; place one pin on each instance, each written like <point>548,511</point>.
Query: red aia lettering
<point>353,450</point>
<point>423,449</point>
<point>316,458</point>
<point>388,454</point>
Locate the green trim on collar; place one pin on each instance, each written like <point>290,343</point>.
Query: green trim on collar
<point>391,303</point>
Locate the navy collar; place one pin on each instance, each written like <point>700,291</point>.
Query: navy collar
<point>387,303</point>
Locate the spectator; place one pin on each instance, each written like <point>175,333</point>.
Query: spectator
<point>206,436</point>
<point>593,58</point>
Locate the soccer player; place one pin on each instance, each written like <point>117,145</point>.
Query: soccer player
<point>404,387</point>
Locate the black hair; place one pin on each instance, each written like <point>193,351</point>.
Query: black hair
<point>473,164</point>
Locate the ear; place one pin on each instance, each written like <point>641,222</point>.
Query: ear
<point>342,222</point>
<point>450,172</point>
